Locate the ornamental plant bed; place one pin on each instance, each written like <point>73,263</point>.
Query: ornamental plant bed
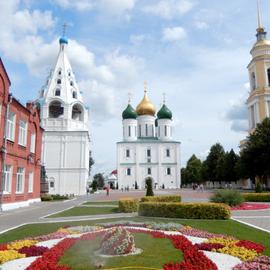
<point>251,206</point>
<point>161,249</point>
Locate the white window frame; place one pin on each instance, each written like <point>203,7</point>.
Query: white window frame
<point>167,171</point>
<point>22,139</point>
<point>11,126</point>
<point>20,180</point>
<point>7,178</point>
<point>33,143</point>
<point>30,182</point>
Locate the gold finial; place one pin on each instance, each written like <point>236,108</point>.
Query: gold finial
<point>65,25</point>
<point>129,97</point>
<point>145,86</point>
<point>164,98</point>
<point>260,26</point>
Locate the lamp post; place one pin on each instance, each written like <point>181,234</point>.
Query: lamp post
<point>4,153</point>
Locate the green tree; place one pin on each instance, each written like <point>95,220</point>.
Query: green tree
<point>231,167</point>
<point>183,176</point>
<point>149,185</point>
<point>213,165</point>
<point>91,162</point>
<point>100,180</point>
<point>192,172</point>
<point>255,155</point>
<point>94,185</point>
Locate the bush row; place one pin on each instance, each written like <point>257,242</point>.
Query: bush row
<point>52,197</point>
<point>185,210</point>
<point>257,197</point>
<point>164,198</point>
<point>128,205</point>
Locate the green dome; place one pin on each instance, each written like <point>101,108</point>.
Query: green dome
<point>129,113</point>
<point>164,113</point>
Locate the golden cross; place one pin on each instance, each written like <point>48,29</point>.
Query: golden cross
<point>145,86</point>
<point>129,97</point>
<point>164,98</point>
<point>65,25</point>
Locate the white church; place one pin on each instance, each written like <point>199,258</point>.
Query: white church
<point>66,139</point>
<point>148,148</point>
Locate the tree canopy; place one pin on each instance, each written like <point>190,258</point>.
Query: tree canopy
<point>255,155</point>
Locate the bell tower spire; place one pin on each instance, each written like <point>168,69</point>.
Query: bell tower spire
<point>261,33</point>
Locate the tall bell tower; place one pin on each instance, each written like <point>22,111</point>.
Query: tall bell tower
<point>64,118</point>
<point>258,101</point>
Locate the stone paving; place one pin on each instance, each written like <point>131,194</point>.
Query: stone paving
<point>36,212</point>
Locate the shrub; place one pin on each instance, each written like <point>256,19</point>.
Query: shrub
<point>258,188</point>
<point>185,210</point>
<point>149,184</point>
<point>257,197</point>
<point>58,197</point>
<point>230,197</point>
<point>164,198</point>
<point>128,205</point>
<point>46,198</point>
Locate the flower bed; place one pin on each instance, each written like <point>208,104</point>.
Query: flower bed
<point>181,237</point>
<point>251,206</point>
<point>117,241</point>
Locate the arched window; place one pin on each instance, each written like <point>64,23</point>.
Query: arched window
<point>268,76</point>
<point>59,81</point>
<point>59,72</point>
<point>253,81</point>
<point>55,109</point>
<point>77,112</point>
<point>57,92</point>
<point>74,94</point>
<point>71,83</point>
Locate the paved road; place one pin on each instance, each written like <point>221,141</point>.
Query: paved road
<point>35,212</point>
<point>257,218</point>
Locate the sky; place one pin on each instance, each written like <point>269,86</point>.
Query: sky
<point>195,51</point>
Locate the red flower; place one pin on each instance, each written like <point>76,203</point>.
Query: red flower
<point>251,245</point>
<point>3,247</point>
<point>33,251</point>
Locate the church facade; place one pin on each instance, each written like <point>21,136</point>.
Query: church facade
<point>66,140</point>
<point>148,148</point>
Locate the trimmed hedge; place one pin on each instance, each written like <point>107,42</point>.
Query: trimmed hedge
<point>128,205</point>
<point>257,197</point>
<point>185,210</point>
<point>163,198</point>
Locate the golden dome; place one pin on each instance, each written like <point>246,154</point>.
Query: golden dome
<point>263,42</point>
<point>146,107</point>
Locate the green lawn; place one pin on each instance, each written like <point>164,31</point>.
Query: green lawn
<point>86,211</point>
<point>101,203</point>
<point>152,255</point>
<point>229,227</point>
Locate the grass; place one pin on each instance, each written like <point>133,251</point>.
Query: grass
<point>148,258</point>
<point>101,203</point>
<point>229,227</point>
<point>86,211</point>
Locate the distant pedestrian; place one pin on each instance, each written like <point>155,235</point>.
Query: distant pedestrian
<point>87,191</point>
<point>108,191</point>
<point>201,187</point>
<point>122,188</point>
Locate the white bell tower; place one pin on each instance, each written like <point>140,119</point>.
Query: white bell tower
<point>64,117</point>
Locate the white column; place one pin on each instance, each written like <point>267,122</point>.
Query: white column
<point>266,108</point>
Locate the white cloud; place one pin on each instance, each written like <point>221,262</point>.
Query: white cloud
<point>80,5</point>
<point>136,39</point>
<point>111,7</point>
<point>201,25</point>
<point>168,9</point>
<point>174,33</point>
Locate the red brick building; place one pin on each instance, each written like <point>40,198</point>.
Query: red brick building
<point>20,149</point>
